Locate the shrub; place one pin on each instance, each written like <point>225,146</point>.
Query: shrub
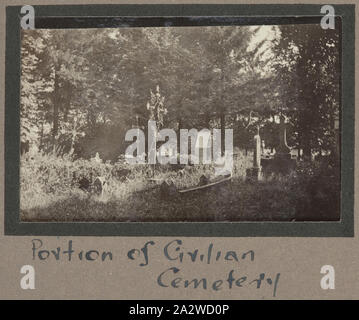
<point>316,189</point>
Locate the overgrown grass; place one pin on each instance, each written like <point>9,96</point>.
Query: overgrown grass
<point>49,193</point>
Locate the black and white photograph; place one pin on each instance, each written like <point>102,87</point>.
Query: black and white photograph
<point>181,124</point>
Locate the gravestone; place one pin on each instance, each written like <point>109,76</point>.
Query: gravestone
<point>282,162</point>
<point>99,186</point>
<point>283,151</point>
<point>255,173</point>
<point>257,151</point>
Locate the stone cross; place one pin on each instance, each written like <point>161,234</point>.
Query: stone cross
<point>282,163</point>
<point>283,151</point>
<point>257,151</point>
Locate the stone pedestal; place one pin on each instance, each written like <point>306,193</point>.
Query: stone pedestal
<point>282,161</point>
<point>257,151</point>
<point>255,173</point>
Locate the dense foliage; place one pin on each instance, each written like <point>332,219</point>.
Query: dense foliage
<point>81,90</point>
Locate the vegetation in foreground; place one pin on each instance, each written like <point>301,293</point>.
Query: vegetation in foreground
<point>49,192</point>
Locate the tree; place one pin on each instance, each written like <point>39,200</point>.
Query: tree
<point>98,81</point>
<point>308,75</point>
<point>34,87</point>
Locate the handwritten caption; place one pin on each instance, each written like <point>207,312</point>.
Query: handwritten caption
<point>179,261</point>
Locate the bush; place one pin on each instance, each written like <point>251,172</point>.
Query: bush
<point>316,189</point>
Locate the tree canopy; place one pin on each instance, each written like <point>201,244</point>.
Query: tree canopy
<point>81,89</point>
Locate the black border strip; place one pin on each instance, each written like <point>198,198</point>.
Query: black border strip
<point>125,22</point>
<point>13,226</point>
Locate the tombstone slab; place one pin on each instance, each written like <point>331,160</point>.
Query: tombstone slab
<point>282,151</point>
<point>282,162</point>
<point>255,173</point>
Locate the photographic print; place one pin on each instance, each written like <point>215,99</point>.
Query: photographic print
<point>181,124</point>
<point>170,152</point>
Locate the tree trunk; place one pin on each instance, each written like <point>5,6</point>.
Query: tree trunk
<point>55,127</point>
<point>223,115</point>
<point>223,128</point>
<point>41,135</point>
